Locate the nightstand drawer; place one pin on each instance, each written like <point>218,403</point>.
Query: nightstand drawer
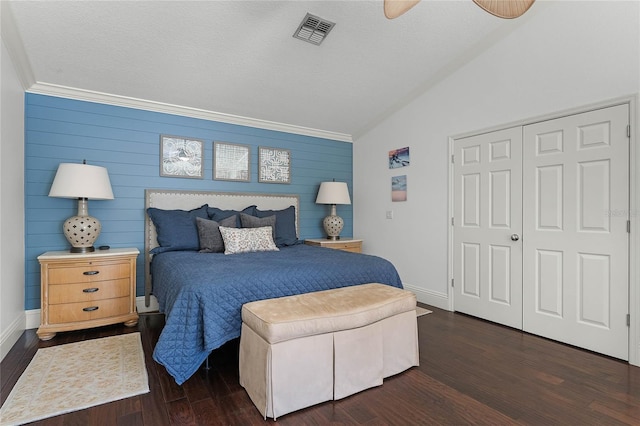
<point>84,311</point>
<point>83,292</point>
<point>347,246</point>
<point>88,272</point>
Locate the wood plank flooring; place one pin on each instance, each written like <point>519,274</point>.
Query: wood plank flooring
<point>471,372</point>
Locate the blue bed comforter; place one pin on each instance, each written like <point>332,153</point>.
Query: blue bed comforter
<point>202,294</point>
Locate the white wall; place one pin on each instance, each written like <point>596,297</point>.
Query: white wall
<point>12,315</point>
<point>566,55</point>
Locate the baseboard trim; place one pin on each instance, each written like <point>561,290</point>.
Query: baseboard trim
<point>429,297</point>
<point>10,336</point>
<point>153,305</point>
<point>32,319</point>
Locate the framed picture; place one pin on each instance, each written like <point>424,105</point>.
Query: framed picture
<point>399,188</point>
<point>399,158</point>
<point>274,165</point>
<point>231,162</point>
<point>181,157</point>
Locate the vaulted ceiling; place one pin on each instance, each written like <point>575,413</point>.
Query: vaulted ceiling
<point>239,59</point>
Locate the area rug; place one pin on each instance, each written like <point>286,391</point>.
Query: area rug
<point>422,311</point>
<point>71,377</point>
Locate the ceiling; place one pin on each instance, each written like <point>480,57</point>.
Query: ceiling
<point>238,58</point>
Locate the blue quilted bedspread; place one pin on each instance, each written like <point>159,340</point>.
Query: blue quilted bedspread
<point>202,294</point>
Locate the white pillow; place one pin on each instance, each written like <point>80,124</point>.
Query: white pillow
<point>244,240</point>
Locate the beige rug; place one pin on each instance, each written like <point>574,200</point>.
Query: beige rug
<point>71,377</point>
<point>422,311</point>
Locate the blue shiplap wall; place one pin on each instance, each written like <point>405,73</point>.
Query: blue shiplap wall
<point>127,142</point>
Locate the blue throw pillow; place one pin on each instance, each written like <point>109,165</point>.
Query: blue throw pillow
<point>218,214</point>
<point>176,229</point>
<point>285,225</point>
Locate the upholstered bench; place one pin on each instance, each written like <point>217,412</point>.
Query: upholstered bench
<point>301,350</point>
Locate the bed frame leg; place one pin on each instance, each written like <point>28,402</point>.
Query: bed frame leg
<point>206,364</point>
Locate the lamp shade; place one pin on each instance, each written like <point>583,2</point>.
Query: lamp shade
<point>333,193</point>
<point>81,181</point>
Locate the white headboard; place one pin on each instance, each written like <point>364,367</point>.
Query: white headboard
<point>188,200</point>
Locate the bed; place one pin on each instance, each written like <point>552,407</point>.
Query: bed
<point>201,293</point>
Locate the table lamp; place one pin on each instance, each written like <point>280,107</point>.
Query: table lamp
<point>333,193</point>
<point>84,182</point>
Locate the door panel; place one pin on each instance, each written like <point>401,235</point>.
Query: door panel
<point>575,174</point>
<point>487,211</point>
<point>562,185</point>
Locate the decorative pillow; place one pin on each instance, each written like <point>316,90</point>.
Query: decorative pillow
<point>257,222</point>
<point>176,229</point>
<point>244,240</point>
<point>210,237</point>
<point>217,214</point>
<point>286,234</point>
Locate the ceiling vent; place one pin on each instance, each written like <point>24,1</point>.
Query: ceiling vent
<point>313,29</point>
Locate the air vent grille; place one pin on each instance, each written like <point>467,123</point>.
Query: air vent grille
<point>313,29</point>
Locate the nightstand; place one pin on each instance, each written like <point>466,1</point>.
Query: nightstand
<point>83,290</point>
<point>345,244</point>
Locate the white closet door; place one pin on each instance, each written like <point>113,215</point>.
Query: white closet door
<point>487,225</point>
<point>575,240</point>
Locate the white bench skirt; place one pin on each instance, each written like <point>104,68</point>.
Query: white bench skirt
<point>302,350</point>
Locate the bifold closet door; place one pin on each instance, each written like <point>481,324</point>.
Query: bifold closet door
<point>487,226</point>
<point>540,228</point>
<point>575,239</point>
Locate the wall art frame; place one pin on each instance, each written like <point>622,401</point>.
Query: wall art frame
<point>231,161</point>
<point>399,188</point>
<point>274,165</point>
<point>181,157</point>
<point>399,158</point>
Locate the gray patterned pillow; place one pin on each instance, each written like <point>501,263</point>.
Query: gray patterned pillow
<point>249,221</point>
<point>244,240</point>
<point>209,233</point>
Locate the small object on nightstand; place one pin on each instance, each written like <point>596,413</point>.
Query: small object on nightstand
<point>333,193</point>
<point>104,248</point>
<point>344,244</point>
<point>82,182</point>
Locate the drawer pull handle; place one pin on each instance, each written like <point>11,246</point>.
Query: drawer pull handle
<point>90,308</point>
<point>90,290</point>
<point>91,273</point>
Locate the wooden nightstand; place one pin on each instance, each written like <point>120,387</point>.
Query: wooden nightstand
<point>345,244</point>
<point>87,290</point>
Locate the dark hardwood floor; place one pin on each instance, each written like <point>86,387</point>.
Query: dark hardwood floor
<point>471,372</point>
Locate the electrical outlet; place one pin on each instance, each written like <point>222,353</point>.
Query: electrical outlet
<point>389,214</point>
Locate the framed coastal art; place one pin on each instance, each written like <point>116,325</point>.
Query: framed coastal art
<point>399,188</point>
<point>181,157</point>
<point>399,158</point>
<point>274,165</point>
<point>231,162</point>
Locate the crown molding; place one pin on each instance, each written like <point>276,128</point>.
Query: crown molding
<point>13,42</point>
<point>128,102</point>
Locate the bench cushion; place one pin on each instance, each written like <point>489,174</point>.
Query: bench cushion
<point>291,317</point>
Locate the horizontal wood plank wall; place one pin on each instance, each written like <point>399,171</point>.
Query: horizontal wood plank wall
<point>127,142</point>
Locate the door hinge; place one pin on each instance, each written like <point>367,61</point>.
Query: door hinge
<point>628,130</point>
<point>452,223</point>
<point>452,282</point>
<point>452,161</point>
<point>628,320</point>
<point>628,227</point>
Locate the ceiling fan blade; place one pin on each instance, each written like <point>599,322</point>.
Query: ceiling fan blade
<point>395,8</point>
<point>507,9</point>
